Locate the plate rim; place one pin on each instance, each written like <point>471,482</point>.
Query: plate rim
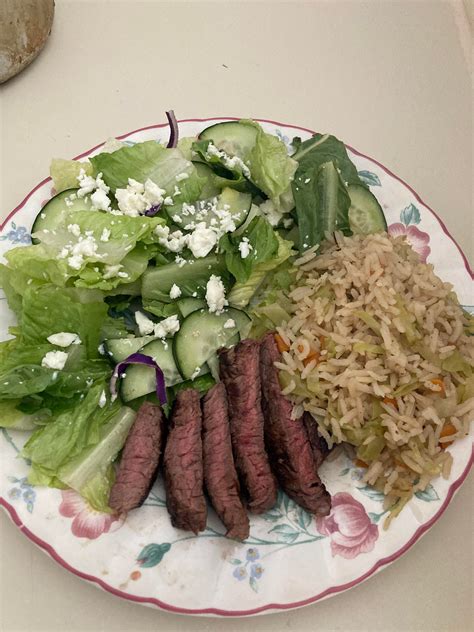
<point>266,608</point>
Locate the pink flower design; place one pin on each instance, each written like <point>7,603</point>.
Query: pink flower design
<point>87,522</point>
<point>416,238</point>
<point>349,527</point>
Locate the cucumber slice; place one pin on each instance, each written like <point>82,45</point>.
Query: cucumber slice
<point>207,211</point>
<point>365,213</point>
<point>54,213</point>
<point>202,334</point>
<point>188,305</point>
<point>140,380</point>
<point>236,139</point>
<point>120,348</point>
<point>191,277</point>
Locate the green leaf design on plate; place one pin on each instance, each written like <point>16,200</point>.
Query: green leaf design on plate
<point>253,584</point>
<point>372,493</point>
<point>235,561</point>
<point>152,554</point>
<point>410,215</point>
<point>272,516</point>
<point>304,518</point>
<point>286,531</point>
<point>428,495</point>
<point>370,178</point>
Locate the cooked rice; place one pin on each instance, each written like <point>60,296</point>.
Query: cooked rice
<point>347,372</point>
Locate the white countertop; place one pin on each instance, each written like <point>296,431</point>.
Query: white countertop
<point>389,78</point>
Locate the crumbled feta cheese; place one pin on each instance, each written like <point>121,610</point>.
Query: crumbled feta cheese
<point>87,184</point>
<point>175,291</point>
<point>177,219</point>
<point>105,234</point>
<point>85,247</point>
<point>177,191</point>
<point>175,241</point>
<point>54,360</point>
<point>64,339</point>
<point>153,194</point>
<point>182,176</point>
<point>288,223</point>
<point>95,186</point>
<point>180,261</point>
<point>102,399</point>
<point>74,229</point>
<point>307,180</point>
<point>101,349</point>
<point>75,262</point>
<point>100,200</point>
<point>111,271</point>
<point>145,325</point>
<point>270,212</point>
<point>196,372</point>
<point>245,247</point>
<point>167,327</point>
<point>229,323</point>
<point>168,201</point>
<point>122,275</point>
<point>138,197</point>
<point>202,240</point>
<point>232,163</point>
<point>215,294</point>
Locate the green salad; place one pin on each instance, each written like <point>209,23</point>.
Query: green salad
<point>147,260</point>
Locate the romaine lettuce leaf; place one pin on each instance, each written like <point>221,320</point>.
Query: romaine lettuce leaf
<point>271,169</point>
<point>76,449</point>
<point>50,309</point>
<point>11,417</point>
<point>242,293</point>
<point>322,203</point>
<point>90,473</point>
<point>150,160</point>
<point>320,149</point>
<point>261,243</point>
<point>116,240</point>
<point>65,173</point>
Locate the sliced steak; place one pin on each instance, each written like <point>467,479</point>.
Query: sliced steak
<point>220,475</point>
<point>318,443</point>
<point>239,369</point>
<point>287,441</point>
<point>183,464</point>
<point>140,460</point>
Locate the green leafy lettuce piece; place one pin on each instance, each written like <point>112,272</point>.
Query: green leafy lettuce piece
<point>90,473</point>
<point>129,242</point>
<point>322,203</point>
<point>456,363</point>
<point>224,176</point>
<point>326,148</point>
<point>76,449</point>
<point>242,293</point>
<point>271,169</point>
<point>150,160</point>
<point>50,309</point>
<point>70,433</point>
<point>262,242</point>
<point>65,173</point>
<point>12,417</point>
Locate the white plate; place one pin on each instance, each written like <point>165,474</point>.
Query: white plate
<point>289,560</point>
